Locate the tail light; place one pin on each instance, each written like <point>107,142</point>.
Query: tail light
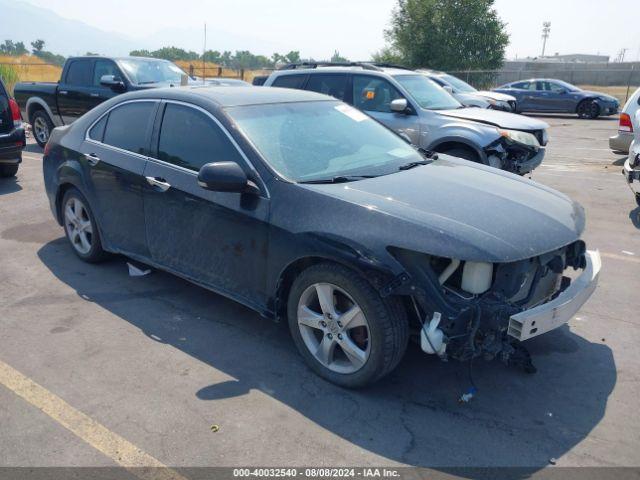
<point>625,124</point>
<point>15,113</point>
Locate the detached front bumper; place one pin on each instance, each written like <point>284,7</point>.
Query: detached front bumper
<point>560,310</point>
<point>632,176</point>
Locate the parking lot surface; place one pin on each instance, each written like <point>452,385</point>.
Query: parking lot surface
<point>156,362</point>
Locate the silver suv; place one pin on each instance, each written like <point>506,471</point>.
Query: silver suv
<point>425,113</point>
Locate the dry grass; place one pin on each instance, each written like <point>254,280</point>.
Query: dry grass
<point>620,92</point>
<point>29,68</point>
<point>215,70</point>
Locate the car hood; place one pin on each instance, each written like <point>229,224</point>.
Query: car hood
<point>497,118</point>
<point>472,99</point>
<point>496,96</point>
<point>452,208</point>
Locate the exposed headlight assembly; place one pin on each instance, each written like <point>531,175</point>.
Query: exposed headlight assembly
<point>520,137</point>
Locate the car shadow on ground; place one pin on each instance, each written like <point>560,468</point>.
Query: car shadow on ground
<point>9,185</point>
<point>33,148</point>
<point>413,416</point>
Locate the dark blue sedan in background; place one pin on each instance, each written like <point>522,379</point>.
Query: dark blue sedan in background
<point>557,96</point>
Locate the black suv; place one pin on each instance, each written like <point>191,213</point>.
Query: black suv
<point>12,138</point>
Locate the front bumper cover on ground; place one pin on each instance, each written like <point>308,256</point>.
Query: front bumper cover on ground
<point>557,312</point>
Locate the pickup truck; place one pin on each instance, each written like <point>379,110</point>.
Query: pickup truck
<point>86,82</point>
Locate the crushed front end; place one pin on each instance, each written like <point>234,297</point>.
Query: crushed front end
<point>517,151</point>
<point>464,310</point>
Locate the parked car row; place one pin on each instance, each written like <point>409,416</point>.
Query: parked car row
<point>330,195</point>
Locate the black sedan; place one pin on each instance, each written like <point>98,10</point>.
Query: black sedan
<point>12,137</point>
<point>301,207</point>
<point>557,96</point>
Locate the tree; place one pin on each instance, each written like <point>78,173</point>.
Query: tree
<point>14,49</point>
<point>337,58</point>
<point>37,45</point>
<point>448,34</point>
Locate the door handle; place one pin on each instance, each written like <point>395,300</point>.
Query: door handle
<point>95,95</point>
<point>158,183</point>
<point>92,159</point>
<point>63,92</point>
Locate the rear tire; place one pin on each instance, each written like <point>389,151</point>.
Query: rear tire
<point>81,228</point>
<point>362,347</point>
<point>7,171</point>
<point>41,126</point>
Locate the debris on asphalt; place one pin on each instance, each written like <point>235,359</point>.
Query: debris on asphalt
<point>137,269</point>
<point>215,428</point>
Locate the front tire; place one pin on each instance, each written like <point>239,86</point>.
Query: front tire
<point>41,126</point>
<point>81,228</point>
<point>588,109</point>
<point>7,171</point>
<point>343,329</point>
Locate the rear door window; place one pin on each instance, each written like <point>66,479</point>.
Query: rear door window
<point>521,85</point>
<point>334,85</point>
<point>128,127</point>
<point>290,81</point>
<point>189,139</point>
<point>79,73</point>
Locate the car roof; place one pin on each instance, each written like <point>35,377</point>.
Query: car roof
<point>228,96</point>
<point>320,69</point>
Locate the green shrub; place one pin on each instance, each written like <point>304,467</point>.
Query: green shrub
<point>9,76</point>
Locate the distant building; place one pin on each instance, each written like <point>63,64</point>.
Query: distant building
<point>571,58</point>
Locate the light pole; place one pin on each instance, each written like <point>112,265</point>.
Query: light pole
<point>546,28</point>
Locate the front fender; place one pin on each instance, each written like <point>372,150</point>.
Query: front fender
<point>464,140</point>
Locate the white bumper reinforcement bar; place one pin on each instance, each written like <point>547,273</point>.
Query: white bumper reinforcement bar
<point>557,312</point>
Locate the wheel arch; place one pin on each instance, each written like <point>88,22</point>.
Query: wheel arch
<point>449,143</point>
<point>36,103</point>
<point>376,275</point>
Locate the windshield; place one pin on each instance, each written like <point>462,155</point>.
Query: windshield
<point>427,93</point>
<point>307,141</point>
<point>142,71</point>
<point>457,84</point>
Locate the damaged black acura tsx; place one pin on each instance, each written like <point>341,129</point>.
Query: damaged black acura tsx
<point>305,209</point>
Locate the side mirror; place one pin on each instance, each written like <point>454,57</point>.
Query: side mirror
<point>448,89</point>
<point>225,177</point>
<point>399,105</point>
<point>113,82</point>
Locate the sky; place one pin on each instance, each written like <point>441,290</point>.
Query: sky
<point>354,27</point>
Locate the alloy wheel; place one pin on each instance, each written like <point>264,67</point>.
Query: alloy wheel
<point>334,328</point>
<point>41,129</point>
<point>78,225</point>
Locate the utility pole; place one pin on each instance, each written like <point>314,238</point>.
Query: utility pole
<point>204,50</point>
<point>546,28</point>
